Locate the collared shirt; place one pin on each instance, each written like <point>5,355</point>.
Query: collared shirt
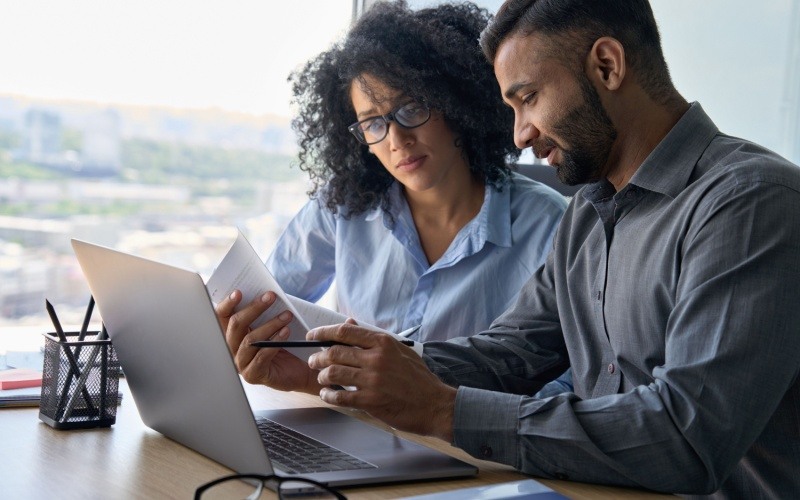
<point>677,301</point>
<point>383,276</point>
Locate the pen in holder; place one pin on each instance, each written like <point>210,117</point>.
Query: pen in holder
<point>80,377</point>
<point>80,381</point>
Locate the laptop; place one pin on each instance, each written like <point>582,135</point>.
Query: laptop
<point>185,384</point>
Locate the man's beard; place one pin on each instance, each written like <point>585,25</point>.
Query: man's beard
<point>589,135</point>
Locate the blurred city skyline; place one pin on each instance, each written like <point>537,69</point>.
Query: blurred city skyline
<point>125,83</point>
<point>733,56</point>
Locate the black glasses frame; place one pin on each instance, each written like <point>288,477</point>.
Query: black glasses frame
<point>262,478</point>
<point>391,116</point>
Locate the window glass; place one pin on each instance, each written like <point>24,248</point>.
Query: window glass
<point>156,127</point>
<point>740,59</point>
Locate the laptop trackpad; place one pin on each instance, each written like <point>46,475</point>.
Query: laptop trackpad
<point>344,432</point>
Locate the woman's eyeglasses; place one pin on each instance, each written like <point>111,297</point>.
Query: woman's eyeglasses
<point>375,128</point>
<point>228,487</point>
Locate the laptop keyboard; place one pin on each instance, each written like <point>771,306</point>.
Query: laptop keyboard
<point>293,452</point>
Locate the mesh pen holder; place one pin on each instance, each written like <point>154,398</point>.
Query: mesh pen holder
<point>80,382</point>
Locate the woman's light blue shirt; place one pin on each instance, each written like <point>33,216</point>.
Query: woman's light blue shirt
<point>383,276</point>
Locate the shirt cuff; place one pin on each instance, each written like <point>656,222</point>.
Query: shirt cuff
<point>485,424</point>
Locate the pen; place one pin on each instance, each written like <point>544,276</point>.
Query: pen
<point>98,350</point>
<point>308,343</point>
<point>73,364</point>
<point>81,335</point>
<point>80,386</point>
<point>103,335</point>
<point>56,322</point>
<point>86,318</point>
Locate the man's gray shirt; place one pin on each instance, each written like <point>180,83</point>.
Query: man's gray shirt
<point>677,301</point>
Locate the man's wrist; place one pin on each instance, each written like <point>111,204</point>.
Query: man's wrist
<point>445,413</point>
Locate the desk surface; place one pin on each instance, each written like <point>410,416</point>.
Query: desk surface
<point>130,460</point>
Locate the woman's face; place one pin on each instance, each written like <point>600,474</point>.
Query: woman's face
<point>420,158</point>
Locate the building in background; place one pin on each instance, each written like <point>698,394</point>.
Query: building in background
<point>100,145</point>
<point>42,143</point>
<point>98,151</point>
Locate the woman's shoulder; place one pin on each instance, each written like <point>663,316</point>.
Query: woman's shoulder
<point>316,211</point>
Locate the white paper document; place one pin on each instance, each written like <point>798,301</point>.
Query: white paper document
<point>242,269</point>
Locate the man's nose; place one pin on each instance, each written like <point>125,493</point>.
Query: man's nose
<point>524,132</point>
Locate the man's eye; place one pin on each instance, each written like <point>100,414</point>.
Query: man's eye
<point>528,98</point>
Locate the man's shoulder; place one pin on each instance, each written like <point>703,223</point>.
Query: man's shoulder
<point>731,161</point>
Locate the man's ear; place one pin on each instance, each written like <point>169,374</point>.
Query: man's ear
<point>605,63</point>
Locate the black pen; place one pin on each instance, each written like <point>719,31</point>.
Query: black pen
<point>73,363</point>
<point>87,318</point>
<point>308,343</point>
<point>56,323</point>
<point>84,330</point>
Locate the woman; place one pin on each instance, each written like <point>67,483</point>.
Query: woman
<point>414,210</point>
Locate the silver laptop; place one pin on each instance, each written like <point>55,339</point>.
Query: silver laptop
<point>180,373</point>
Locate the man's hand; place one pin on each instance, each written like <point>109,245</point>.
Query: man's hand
<point>275,368</point>
<point>393,384</point>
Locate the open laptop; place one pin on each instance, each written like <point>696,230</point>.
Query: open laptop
<point>180,373</point>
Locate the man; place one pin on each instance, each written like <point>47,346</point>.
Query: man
<point>672,287</point>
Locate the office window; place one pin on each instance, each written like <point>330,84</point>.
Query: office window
<point>155,127</point>
<point>740,59</point>
<point>158,127</point>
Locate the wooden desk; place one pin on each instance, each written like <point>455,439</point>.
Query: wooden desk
<point>130,460</point>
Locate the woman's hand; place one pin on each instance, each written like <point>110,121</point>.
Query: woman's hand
<point>276,368</point>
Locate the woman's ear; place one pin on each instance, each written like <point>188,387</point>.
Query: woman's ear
<point>605,63</point>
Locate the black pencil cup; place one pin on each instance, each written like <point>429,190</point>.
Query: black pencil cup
<point>80,382</point>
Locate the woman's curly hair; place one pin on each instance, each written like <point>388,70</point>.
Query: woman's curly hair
<point>431,55</point>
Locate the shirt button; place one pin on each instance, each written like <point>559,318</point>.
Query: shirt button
<point>486,451</point>
<point>611,368</point>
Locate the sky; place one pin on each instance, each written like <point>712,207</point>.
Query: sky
<point>231,54</point>
<point>730,55</point>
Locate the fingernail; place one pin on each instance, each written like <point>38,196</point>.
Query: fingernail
<point>233,295</point>
<point>266,297</point>
<point>283,333</point>
<point>285,316</point>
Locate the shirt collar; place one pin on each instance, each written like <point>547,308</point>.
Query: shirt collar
<point>494,218</point>
<point>396,204</point>
<point>492,223</point>
<point>668,168</point>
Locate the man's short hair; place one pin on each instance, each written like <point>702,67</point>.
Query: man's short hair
<point>576,24</point>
